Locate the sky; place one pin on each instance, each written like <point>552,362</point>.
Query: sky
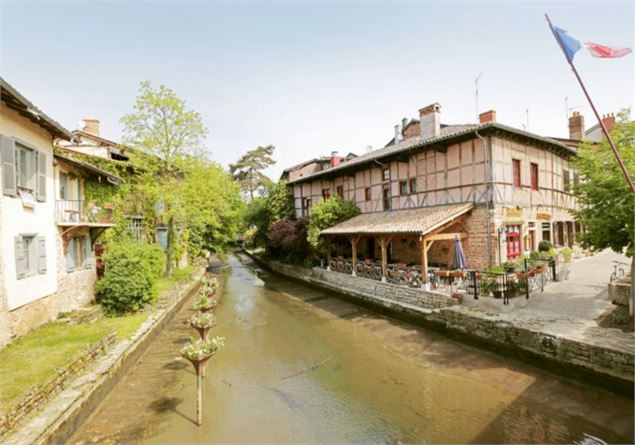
<point>314,77</point>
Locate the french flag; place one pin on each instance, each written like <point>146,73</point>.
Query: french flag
<point>570,46</point>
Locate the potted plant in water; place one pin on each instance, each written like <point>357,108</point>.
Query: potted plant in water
<point>210,286</point>
<point>203,322</point>
<point>204,303</point>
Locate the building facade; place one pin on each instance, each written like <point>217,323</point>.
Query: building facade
<point>35,282</point>
<point>516,187</point>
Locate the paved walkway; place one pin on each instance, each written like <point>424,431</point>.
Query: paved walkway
<point>584,294</point>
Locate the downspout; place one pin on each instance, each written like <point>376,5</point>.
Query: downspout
<point>488,194</point>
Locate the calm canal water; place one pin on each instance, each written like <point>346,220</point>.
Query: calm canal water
<point>303,366</point>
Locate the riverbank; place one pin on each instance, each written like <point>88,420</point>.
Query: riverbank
<point>73,404</point>
<point>567,346</point>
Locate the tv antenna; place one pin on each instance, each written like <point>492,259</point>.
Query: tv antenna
<point>476,92</point>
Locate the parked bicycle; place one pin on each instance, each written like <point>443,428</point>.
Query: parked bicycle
<point>618,270</point>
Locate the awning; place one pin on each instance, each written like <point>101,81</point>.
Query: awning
<point>417,221</point>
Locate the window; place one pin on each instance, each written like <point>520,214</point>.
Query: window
<point>30,255</point>
<point>326,193</point>
<point>413,185</point>
<point>513,241</point>
<point>25,167</point>
<point>534,176</point>
<point>386,174</point>
<point>63,186</point>
<point>368,194</point>
<point>386,197</point>
<point>403,187</point>
<point>546,231</point>
<point>516,172</point>
<point>78,253</point>
<point>306,205</point>
<point>340,191</point>
<point>566,180</point>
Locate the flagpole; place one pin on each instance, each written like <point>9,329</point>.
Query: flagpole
<point>597,115</point>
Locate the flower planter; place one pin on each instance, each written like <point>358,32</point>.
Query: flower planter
<point>198,362</point>
<point>458,297</point>
<point>458,274</point>
<point>442,273</point>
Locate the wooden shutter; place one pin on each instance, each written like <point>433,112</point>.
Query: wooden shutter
<point>88,257</point>
<point>63,186</point>
<point>41,176</point>
<point>20,257</point>
<point>516,172</point>
<point>41,254</point>
<point>7,154</point>
<point>70,254</point>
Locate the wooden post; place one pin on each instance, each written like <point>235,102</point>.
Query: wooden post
<point>354,240</point>
<point>384,240</point>
<point>328,253</point>
<point>424,260</point>
<point>199,396</point>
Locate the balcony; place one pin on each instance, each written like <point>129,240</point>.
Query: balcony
<point>69,213</point>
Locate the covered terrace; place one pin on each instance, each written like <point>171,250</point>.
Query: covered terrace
<point>404,262</point>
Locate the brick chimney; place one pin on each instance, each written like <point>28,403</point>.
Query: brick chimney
<point>397,133</point>
<point>576,126</point>
<point>430,121</point>
<point>609,121</point>
<point>335,159</point>
<point>91,126</point>
<point>487,117</point>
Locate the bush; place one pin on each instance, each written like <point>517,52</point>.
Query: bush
<point>544,246</point>
<point>567,253</point>
<point>288,240</point>
<point>131,271</point>
<point>327,213</point>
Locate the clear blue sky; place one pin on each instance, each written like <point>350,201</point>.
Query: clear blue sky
<point>313,77</point>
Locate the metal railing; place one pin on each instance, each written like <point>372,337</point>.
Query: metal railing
<point>82,211</point>
<point>400,274</point>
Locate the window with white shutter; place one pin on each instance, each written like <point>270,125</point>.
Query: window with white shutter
<point>41,176</point>
<point>20,258</point>
<point>26,256</point>
<point>41,254</point>
<point>88,257</point>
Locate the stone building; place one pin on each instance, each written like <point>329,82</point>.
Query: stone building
<point>47,229</point>
<point>500,189</point>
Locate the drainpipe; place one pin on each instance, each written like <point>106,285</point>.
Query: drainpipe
<point>488,173</point>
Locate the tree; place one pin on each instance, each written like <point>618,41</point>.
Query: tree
<point>327,213</point>
<point>164,134</point>
<point>280,201</point>
<point>247,171</point>
<point>604,198</point>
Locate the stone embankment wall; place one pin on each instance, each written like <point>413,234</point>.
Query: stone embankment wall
<point>575,348</point>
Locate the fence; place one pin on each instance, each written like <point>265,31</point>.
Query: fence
<point>506,285</point>
<point>80,211</point>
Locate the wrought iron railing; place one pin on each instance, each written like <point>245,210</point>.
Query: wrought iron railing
<point>82,211</point>
<point>395,273</point>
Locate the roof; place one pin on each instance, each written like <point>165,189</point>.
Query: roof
<point>448,135</point>
<point>417,221</point>
<point>112,178</point>
<point>16,101</point>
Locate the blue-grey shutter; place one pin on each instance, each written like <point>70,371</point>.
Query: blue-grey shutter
<point>88,256</point>
<point>20,257</point>
<point>7,154</point>
<point>63,186</point>
<point>41,176</point>
<point>70,254</point>
<point>41,254</point>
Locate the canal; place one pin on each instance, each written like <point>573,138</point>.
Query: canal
<point>301,365</point>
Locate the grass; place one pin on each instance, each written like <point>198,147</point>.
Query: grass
<point>179,276</point>
<point>36,357</point>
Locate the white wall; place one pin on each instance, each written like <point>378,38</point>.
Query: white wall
<point>16,220</point>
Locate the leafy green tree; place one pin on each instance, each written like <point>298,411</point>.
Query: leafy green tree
<point>604,198</point>
<point>247,171</point>
<point>328,213</point>
<point>257,219</point>
<point>280,201</point>
<point>163,134</point>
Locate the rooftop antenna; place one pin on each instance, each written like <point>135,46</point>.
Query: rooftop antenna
<point>476,92</point>
<point>527,118</point>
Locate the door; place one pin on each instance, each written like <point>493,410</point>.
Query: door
<point>512,235</point>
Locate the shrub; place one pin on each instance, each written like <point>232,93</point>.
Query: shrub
<point>287,240</point>
<point>544,246</point>
<point>534,256</point>
<point>131,271</point>
<point>327,213</point>
<point>567,253</point>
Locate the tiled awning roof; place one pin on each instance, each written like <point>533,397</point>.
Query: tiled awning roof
<point>417,221</point>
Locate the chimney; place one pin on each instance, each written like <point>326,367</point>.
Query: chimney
<point>335,159</point>
<point>91,126</point>
<point>576,126</point>
<point>397,133</point>
<point>487,117</point>
<point>430,121</point>
<point>404,122</point>
<point>609,121</point>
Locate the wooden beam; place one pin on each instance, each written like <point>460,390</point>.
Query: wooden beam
<point>446,236</point>
<point>384,240</point>
<point>328,253</point>
<point>424,261</point>
<point>354,239</point>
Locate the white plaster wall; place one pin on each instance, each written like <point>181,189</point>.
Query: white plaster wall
<point>16,220</point>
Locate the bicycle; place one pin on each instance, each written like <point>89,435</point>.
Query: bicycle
<point>618,270</point>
